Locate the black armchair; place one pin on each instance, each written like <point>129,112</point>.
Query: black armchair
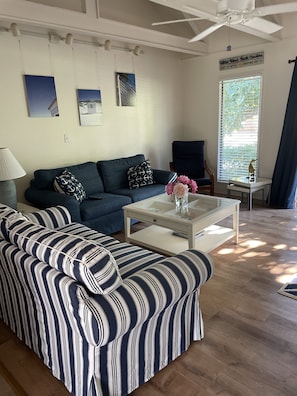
<point>188,159</point>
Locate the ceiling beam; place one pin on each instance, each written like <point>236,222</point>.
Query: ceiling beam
<point>41,16</point>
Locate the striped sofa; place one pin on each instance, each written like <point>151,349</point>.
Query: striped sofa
<point>104,316</point>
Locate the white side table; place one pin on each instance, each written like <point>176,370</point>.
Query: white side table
<point>243,185</point>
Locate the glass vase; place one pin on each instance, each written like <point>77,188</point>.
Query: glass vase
<point>181,206</point>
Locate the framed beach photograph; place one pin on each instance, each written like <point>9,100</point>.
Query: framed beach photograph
<point>126,89</point>
<point>41,96</point>
<point>90,107</point>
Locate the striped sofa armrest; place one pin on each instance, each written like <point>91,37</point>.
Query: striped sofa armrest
<point>145,294</point>
<point>85,261</point>
<point>54,217</point>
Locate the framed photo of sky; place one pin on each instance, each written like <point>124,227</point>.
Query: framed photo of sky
<point>41,96</point>
<point>126,89</point>
<point>90,107</point>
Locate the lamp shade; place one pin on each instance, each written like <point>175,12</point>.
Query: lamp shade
<point>9,167</point>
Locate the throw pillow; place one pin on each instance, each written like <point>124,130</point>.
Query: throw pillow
<point>85,261</point>
<point>140,175</point>
<point>68,184</point>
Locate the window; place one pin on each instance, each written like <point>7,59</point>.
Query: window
<point>240,101</point>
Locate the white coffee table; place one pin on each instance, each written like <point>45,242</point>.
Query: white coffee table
<point>243,185</point>
<point>199,231</point>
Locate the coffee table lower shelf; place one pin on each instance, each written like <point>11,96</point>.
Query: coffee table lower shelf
<point>162,239</point>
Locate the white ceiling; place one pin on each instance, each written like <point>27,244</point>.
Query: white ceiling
<point>128,21</point>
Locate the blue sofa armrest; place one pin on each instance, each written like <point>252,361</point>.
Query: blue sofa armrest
<point>46,198</point>
<point>163,176</point>
<point>144,295</point>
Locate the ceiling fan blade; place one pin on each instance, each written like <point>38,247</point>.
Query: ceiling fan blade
<point>263,25</point>
<point>276,9</point>
<point>176,21</point>
<point>200,13</point>
<point>257,33</point>
<point>206,32</point>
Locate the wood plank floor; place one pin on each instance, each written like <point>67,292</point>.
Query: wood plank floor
<point>250,344</point>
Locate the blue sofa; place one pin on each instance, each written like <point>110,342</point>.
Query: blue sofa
<point>104,316</point>
<point>107,190</point>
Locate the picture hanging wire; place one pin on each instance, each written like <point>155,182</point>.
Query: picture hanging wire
<point>74,66</point>
<point>229,46</point>
<point>97,70</point>
<point>50,59</point>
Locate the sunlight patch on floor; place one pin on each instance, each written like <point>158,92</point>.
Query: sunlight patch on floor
<point>226,251</point>
<point>285,278</point>
<point>279,259</point>
<point>281,247</point>
<point>283,272</point>
<point>256,254</point>
<point>252,243</point>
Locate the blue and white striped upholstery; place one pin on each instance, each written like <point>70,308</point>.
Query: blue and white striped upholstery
<point>130,258</point>
<point>7,212</point>
<point>105,344</point>
<point>54,217</point>
<point>89,263</point>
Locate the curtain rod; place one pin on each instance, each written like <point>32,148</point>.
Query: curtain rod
<point>292,60</point>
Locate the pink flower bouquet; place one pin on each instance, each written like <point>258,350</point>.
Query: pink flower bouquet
<point>182,185</point>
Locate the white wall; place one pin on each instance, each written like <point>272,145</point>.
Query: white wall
<point>201,78</point>
<point>39,142</point>
<point>175,100</point>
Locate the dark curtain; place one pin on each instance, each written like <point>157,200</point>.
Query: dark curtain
<point>284,180</point>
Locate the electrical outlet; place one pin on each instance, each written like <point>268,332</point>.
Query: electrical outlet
<point>66,138</point>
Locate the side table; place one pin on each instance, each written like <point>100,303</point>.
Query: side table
<point>243,185</point>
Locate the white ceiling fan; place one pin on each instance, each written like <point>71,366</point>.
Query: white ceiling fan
<point>237,14</point>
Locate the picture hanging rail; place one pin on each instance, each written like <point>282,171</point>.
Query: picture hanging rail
<point>234,62</point>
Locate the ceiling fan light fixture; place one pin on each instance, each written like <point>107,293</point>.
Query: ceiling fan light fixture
<point>234,19</point>
<point>225,7</point>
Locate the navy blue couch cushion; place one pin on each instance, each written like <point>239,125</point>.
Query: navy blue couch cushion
<point>114,172</point>
<point>86,173</point>
<point>144,192</point>
<point>105,204</point>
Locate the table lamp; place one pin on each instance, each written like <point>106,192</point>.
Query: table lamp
<point>10,169</point>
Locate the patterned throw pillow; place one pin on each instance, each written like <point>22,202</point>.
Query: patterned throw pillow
<point>68,184</point>
<point>140,175</point>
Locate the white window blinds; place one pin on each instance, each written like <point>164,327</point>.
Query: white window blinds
<point>239,116</point>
